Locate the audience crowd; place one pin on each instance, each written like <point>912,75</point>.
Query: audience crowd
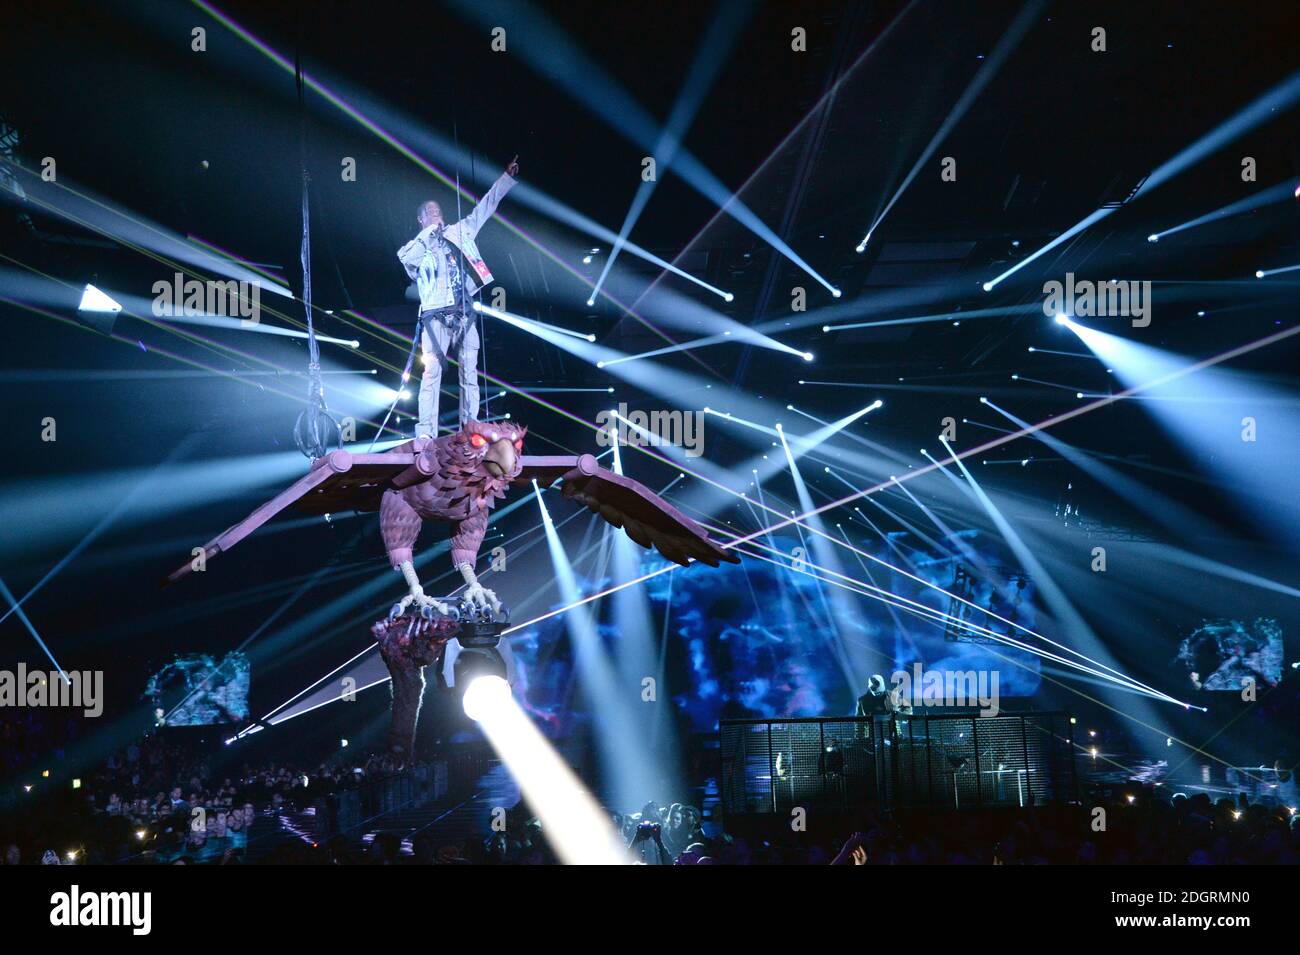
<point>156,802</point>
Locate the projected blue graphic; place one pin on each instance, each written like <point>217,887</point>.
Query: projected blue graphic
<point>757,639</point>
<point>195,690</point>
<point>1224,654</point>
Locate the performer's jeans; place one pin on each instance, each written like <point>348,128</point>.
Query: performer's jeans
<point>447,335</point>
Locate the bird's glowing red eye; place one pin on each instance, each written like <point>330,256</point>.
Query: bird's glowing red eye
<point>519,444</point>
<point>477,440</point>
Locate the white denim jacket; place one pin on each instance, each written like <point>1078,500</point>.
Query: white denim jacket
<point>424,257</point>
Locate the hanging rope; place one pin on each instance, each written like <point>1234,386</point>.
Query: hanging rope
<point>315,429</point>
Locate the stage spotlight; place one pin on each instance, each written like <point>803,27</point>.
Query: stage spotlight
<point>807,356</point>
<point>1153,238</point>
<point>1259,274</point>
<point>571,819</point>
<point>984,401</point>
<point>93,300</point>
<point>586,260</point>
<point>485,695</point>
<point>728,297</point>
<point>591,301</point>
<point>836,293</point>
<point>988,286</point>
<point>1062,318</point>
<point>97,311</point>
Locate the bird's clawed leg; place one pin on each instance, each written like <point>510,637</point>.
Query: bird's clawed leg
<point>475,593</point>
<point>417,596</point>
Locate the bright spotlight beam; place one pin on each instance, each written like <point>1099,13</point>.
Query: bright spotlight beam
<point>86,209</point>
<point>531,324</point>
<point>1265,197</point>
<point>1265,273</point>
<point>572,822</point>
<point>552,53</point>
<point>17,608</point>
<point>920,319</point>
<point>758,340</point>
<point>1048,384</point>
<point>1065,236</point>
<point>138,305</point>
<point>988,69</point>
<point>713,52</point>
<point>1277,100</point>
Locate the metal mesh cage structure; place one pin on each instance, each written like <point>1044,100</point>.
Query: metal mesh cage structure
<point>954,761</point>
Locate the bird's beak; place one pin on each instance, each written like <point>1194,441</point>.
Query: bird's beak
<point>500,459</point>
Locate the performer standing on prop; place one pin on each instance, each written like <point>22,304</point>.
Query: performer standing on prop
<point>445,264</point>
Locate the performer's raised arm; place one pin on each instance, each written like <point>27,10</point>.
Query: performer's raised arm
<point>487,206</point>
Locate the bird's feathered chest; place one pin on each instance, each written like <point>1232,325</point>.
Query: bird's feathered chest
<point>458,488</point>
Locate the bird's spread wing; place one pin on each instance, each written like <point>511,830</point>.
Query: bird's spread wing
<point>645,517</point>
<point>340,481</point>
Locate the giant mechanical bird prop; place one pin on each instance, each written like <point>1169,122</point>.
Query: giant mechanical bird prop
<point>457,479</point>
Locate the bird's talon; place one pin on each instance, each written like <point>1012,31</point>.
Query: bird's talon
<point>480,598</point>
